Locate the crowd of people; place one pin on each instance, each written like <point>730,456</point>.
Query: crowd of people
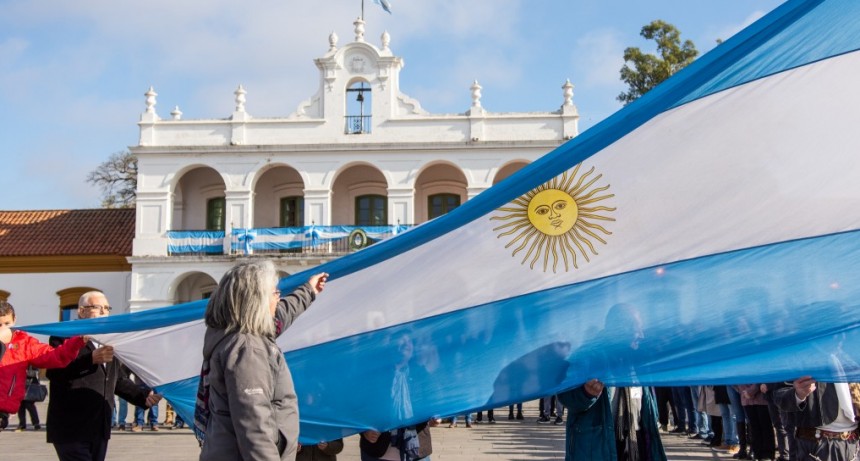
<point>245,383</point>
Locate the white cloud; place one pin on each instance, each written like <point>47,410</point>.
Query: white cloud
<point>598,57</point>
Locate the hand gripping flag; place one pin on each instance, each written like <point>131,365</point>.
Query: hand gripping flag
<point>706,233</point>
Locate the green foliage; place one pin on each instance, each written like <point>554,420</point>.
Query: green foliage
<point>117,178</point>
<point>648,70</point>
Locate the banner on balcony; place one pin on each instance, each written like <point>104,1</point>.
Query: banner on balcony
<point>313,238</point>
<point>199,242</point>
<point>706,233</point>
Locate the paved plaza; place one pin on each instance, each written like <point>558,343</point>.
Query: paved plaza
<point>505,440</point>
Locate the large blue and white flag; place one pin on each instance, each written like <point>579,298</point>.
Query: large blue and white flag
<point>707,233</point>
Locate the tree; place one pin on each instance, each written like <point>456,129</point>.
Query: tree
<point>649,70</point>
<point>117,178</point>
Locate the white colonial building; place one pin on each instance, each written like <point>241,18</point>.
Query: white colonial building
<point>358,159</point>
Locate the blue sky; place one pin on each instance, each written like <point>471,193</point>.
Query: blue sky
<point>73,74</point>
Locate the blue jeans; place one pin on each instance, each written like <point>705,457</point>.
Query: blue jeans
<point>701,417</point>
<point>153,415</point>
<point>730,429</point>
<point>686,414</point>
<point>120,412</point>
<point>737,409</point>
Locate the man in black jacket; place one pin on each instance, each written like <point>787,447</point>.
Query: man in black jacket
<point>825,417</point>
<point>82,393</point>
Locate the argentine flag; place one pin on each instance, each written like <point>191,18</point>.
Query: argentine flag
<point>709,232</point>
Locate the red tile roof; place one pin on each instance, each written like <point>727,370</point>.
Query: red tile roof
<point>67,232</point>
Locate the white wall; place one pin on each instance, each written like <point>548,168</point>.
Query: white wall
<point>35,298</point>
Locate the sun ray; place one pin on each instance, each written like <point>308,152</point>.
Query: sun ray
<point>584,240</point>
<point>528,238</point>
<point>597,208</point>
<point>513,211</point>
<point>519,225</point>
<point>596,216</point>
<point>507,218</point>
<point>520,201</point>
<point>570,178</point>
<point>572,252</point>
<point>586,185</point>
<point>595,226</point>
<point>581,179</point>
<point>579,199</point>
<point>538,238</point>
<point>540,242</point>
<point>578,245</point>
<point>596,199</point>
<point>546,253</point>
<point>518,217</point>
<point>587,231</point>
<point>554,256</point>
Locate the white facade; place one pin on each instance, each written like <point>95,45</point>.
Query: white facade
<point>324,152</point>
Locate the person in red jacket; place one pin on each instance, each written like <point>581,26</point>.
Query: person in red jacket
<point>21,351</point>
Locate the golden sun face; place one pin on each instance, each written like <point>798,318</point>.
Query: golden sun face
<point>552,211</point>
<point>557,218</point>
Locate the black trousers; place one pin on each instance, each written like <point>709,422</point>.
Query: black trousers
<point>826,449</point>
<point>761,429</point>
<point>664,405</point>
<point>94,450</point>
<point>27,407</point>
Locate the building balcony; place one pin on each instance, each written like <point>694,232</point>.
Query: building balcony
<point>357,124</point>
<point>297,242</point>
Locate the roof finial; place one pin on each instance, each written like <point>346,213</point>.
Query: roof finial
<point>386,39</point>
<point>568,93</point>
<point>240,98</point>
<point>150,100</point>
<point>359,30</point>
<point>476,94</point>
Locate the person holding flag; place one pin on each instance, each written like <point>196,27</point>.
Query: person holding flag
<point>246,403</point>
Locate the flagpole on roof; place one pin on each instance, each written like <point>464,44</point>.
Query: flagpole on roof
<point>362,10</point>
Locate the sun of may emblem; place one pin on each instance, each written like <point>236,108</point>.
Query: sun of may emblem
<point>557,217</point>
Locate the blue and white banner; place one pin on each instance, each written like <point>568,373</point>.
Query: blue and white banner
<point>706,233</point>
<point>285,238</point>
<point>187,242</point>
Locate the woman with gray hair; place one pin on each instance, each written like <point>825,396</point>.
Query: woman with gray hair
<point>246,403</point>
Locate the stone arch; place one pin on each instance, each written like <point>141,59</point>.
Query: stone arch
<point>435,179</point>
<point>192,190</point>
<point>508,169</point>
<point>271,187</point>
<point>351,182</point>
<point>192,286</point>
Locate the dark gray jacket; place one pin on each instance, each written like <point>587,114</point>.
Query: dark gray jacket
<point>252,401</point>
<point>820,408</point>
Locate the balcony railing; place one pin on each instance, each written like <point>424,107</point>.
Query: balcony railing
<point>282,241</point>
<point>357,124</point>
